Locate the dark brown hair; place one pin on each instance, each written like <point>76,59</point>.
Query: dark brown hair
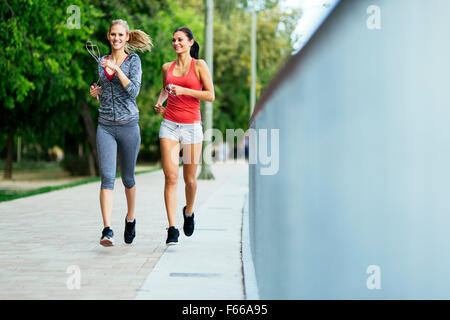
<point>195,49</point>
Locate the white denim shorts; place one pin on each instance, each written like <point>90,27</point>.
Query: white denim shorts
<point>185,133</point>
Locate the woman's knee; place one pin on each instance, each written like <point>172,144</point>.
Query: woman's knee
<point>171,179</point>
<point>128,182</point>
<point>108,182</point>
<point>190,181</point>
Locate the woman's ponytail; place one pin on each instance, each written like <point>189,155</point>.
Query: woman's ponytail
<point>195,49</point>
<point>139,40</point>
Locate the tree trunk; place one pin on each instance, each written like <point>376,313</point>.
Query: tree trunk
<point>90,135</point>
<point>205,172</point>
<point>92,170</point>
<point>7,174</point>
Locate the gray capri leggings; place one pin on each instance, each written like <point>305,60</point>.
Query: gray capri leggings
<point>124,136</point>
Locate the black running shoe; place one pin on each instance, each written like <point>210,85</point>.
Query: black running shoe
<point>107,239</point>
<point>188,226</point>
<point>172,236</point>
<point>130,231</point>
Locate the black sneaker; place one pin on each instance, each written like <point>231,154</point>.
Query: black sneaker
<point>130,231</point>
<point>172,236</point>
<point>107,237</point>
<point>188,226</point>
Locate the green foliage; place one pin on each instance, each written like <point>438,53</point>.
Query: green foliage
<point>44,74</point>
<point>47,71</point>
<point>76,165</point>
<point>232,57</point>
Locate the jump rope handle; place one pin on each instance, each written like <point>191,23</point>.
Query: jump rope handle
<point>95,85</point>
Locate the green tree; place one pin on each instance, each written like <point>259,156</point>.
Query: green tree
<point>232,57</point>
<point>44,97</point>
<point>176,13</point>
<point>42,75</point>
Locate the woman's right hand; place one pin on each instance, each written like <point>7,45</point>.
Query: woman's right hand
<point>95,91</point>
<point>159,108</point>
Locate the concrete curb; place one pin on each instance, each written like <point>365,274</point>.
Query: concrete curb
<point>250,283</point>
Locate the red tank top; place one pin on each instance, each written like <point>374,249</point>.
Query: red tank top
<point>111,76</point>
<point>184,108</point>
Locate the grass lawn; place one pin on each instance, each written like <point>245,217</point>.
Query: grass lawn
<point>42,173</point>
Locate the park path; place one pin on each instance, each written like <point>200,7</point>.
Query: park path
<point>45,239</point>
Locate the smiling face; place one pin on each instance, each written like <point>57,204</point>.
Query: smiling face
<point>181,42</point>
<point>118,36</point>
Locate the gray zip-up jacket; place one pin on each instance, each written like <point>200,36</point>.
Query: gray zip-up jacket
<point>116,102</point>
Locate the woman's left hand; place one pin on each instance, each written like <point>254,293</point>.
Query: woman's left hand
<point>109,64</point>
<point>177,90</point>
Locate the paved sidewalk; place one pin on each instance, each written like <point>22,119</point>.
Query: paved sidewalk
<point>207,265</point>
<point>43,235</point>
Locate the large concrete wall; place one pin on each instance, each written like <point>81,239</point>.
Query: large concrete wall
<point>364,157</point>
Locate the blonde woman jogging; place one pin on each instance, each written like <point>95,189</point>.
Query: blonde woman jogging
<point>118,121</point>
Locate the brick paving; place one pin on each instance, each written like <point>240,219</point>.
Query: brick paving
<point>43,235</point>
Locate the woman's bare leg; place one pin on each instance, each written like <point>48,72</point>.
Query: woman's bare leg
<point>191,158</point>
<point>131,202</point>
<point>106,201</point>
<point>170,150</point>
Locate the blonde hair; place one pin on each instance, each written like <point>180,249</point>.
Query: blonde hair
<point>138,40</point>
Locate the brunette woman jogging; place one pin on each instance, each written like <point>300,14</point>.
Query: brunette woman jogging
<point>186,81</point>
<point>118,121</point>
